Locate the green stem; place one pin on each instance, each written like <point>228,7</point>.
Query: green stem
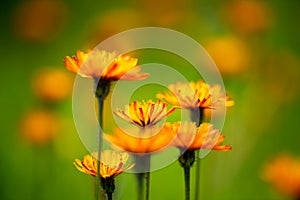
<point>186,160</point>
<point>143,173</point>
<point>98,178</point>
<point>109,195</point>
<point>147,177</point>
<point>187,182</point>
<point>197,180</point>
<point>198,164</point>
<point>108,185</point>
<point>197,115</point>
<point>140,180</point>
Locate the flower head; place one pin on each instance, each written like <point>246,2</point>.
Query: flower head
<point>52,85</point>
<point>188,136</point>
<point>145,140</point>
<point>39,126</point>
<point>105,65</point>
<point>111,165</point>
<point>284,174</point>
<point>195,95</point>
<point>144,113</point>
<point>248,17</point>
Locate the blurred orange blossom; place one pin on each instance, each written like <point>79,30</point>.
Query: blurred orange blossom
<point>283,173</point>
<point>52,85</point>
<point>39,126</point>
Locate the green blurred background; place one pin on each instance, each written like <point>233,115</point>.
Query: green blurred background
<point>255,44</point>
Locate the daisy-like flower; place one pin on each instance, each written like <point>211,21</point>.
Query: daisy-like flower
<point>111,165</point>
<point>143,141</point>
<point>104,65</point>
<point>190,137</point>
<point>284,174</point>
<point>195,95</point>
<point>144,113</point>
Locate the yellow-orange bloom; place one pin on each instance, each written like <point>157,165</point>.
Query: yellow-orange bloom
<point>188,136</point>
<point>284,174</point>
<point>231,54</point>
<point>104,65</point>
<point>111,165</point>
<point>40,126</point>
<point>195,95</point>
<point>141,140</point>
<point>144,113</point>
<point>249,16</point>
<point>53,85</point>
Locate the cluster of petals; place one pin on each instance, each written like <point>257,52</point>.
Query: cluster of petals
<point>105,65</point>
<point>144,113</point>
<point>188,136</point>
<point>112,164</point>
<point>283,173</point>
<point>195,95</point>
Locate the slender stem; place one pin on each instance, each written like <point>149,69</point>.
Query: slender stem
<point>197,180</point>
<point>147,177</point>
<point>187,182</point>
<point>197,115</point>
<point>143,173</point>
<point>147,174</point>
<point>198,163</point>
<point>98,179</point>
<point>186,160</point>
<point>140,180</point>
<point>109,195</point>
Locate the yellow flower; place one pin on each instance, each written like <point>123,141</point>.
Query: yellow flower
<point>145,140</point>
<point>111,165</point>
<point>231,54</point>
<point>39,21</point>
<point>188,136</point>
<point>144,113</point>
<point>248,16</point>
<point>52,85</point>
<point>105,65</point>
<point>194,95</point>
<point>284,174</point>
<point>39,127</point>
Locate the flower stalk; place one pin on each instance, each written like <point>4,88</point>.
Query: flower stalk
<point>199,120</point>
<point>187,182</point>
<point>147,177</point>
<point>102,90</point>
<point>108,185</point>
<point>186,160</point>
<point>143,168</point>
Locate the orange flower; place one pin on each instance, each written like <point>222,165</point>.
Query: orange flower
<point>188,136</point>
<point>194,95</point>
<point>40,126</point>
<point>105,65</point>
<point>39,21</point>
<point>231,54</point>
<point>111,165</point>
<point>52,85</point>
<point>144,113</point>
<point>145,140</point>
<point>284,174</point>
<point>248,16</point>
